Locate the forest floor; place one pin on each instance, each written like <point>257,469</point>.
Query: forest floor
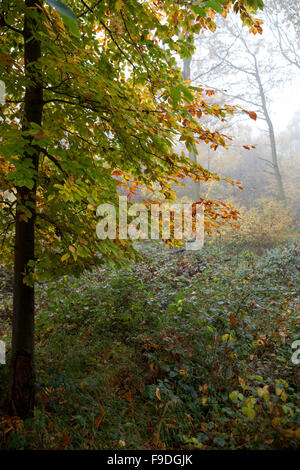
<point>182,350</point>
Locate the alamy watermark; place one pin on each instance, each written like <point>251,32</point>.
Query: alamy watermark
<point>155,221</point>
<point>2,92</point>
<point>296,355</point>
<point>2,352</point>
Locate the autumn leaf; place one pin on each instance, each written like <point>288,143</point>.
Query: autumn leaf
<point>39,135</point>
<point>233,320</point>
<point>251,114</point>
<point>118,5</point>
<point>65,441</point>
<point>100,418</point>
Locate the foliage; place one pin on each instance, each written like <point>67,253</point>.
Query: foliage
<point>180,351</point>
<point>114,101</point>
<point>261,227</point>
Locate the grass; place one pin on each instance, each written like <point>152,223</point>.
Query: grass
<point>182,350</point>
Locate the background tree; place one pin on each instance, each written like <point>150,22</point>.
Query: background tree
<point>251,74</point>
<point>284,21</point>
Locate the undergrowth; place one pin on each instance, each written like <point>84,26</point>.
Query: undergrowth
<point>183,350</point>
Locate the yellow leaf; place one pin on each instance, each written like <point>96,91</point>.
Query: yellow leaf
<point>283,396</point>
<point>157,393</point>
<point>260,392</point>
<point>65,257</point>
<point>118,5</point>
<point>249,412</point>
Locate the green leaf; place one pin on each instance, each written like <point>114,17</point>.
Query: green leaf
<point>69,22</point>
<point>215,5</point>
<point>176,95</point>
<point>68,16</point>
<point>249,412</point>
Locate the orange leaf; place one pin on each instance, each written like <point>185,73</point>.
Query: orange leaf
<point>39,135</point>
<point>100,418</point>
<point>252,114</point>
<point>233,320</point>
<point>65,441</point>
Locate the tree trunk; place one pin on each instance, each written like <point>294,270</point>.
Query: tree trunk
<point>21,390</point>
<point>280,188</point>
<point>195,187</point>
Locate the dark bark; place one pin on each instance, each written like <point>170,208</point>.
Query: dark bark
<point>21,392</point>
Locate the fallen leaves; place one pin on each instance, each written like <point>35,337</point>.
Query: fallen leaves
<point>66,441</point>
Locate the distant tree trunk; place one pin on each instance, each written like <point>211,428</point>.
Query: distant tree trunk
<point>21,390</point>
<point>186,73</point>
<point>280,188</point>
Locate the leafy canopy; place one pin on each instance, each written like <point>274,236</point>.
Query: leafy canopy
<point>114,103</point>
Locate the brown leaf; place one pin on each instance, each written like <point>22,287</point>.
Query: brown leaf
<point>233,320</point>
<point>100,418</point>
<point>39,135</point>
<point>65,441</point>
<point>251,114</point>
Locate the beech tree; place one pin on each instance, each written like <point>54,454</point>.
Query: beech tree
<point>93,91</point>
